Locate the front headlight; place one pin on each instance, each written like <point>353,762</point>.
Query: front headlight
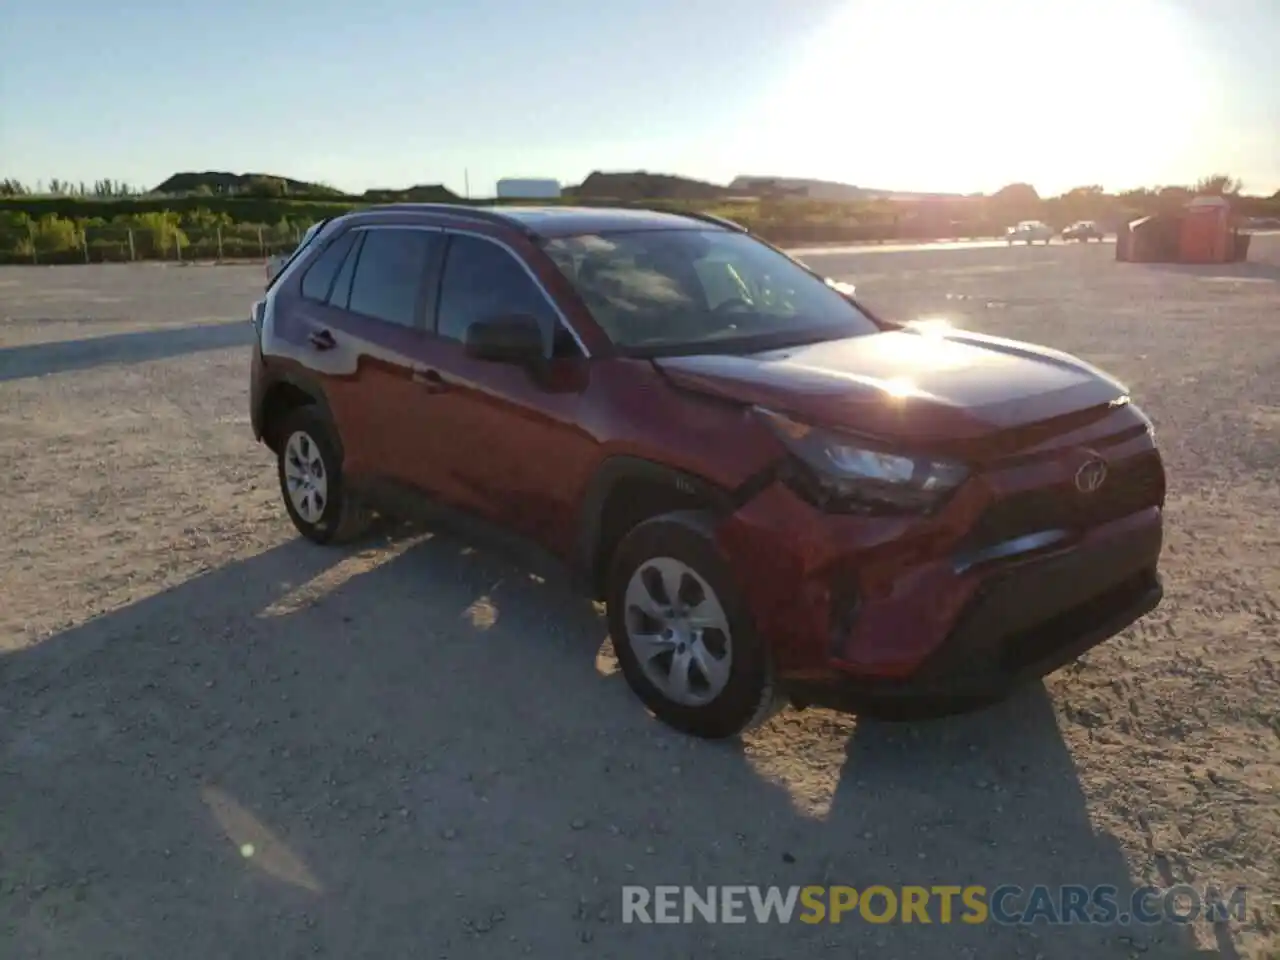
<point>841,474</point>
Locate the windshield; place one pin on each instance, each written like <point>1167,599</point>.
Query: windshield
<point>681,291</point>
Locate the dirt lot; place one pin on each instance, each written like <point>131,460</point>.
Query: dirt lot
<point>218,741</point>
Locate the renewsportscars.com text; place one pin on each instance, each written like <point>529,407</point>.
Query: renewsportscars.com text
<point>1007,904</point>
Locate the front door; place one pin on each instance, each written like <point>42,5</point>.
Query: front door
<point>509,445</point>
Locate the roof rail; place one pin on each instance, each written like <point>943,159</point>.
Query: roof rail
<point>643,205</point>
<point>712,218</point>
<point>459,210</point>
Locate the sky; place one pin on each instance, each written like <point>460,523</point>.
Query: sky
<point>929,95</point>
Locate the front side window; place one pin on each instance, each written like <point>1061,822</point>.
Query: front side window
<point>481,280</point>
<point>679,291</point>
<point>389,272</point>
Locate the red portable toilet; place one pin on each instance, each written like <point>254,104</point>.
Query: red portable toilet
<point>1206,231</point>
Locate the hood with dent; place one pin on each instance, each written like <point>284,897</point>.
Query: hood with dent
<point>907,385</point>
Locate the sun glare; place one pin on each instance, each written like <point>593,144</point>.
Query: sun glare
<point>972,96</point>
<point>899,387</point>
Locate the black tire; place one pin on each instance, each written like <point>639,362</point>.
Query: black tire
<point>342,517</point>
<point>750,696</point>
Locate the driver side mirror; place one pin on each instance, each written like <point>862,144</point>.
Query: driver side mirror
<point>506,339</point>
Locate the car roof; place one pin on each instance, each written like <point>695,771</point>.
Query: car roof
<point>550,222</point>
<point>572,221</point>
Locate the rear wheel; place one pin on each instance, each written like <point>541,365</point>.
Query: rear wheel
<point>311,483</point>
<point>682,634</point>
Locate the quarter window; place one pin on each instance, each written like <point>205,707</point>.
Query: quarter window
<point>318,279</point>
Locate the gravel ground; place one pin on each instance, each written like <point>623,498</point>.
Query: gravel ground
<point>216,740</point>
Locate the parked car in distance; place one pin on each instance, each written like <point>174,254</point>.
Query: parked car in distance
<point>1083,231</point>
<point>276,262</point>
<point>1029,232</point>
<point>778,494</point>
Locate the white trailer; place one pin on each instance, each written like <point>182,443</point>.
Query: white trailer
<point>526,188</point>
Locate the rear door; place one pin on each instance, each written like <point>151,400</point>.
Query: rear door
<point>303,325</point>
<point>365,333</point>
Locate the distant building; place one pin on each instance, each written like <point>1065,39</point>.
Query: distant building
<point>515,188</point>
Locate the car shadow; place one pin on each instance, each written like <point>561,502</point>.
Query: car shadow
<point>418,748</point>
<point>39,359</point>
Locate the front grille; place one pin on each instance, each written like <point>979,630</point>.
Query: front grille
<point>1131,485</point>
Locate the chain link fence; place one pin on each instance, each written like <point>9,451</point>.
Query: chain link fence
<point>67,242</point>
<point>157,237</point>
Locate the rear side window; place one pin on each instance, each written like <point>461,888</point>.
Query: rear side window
<point>318,280</point>
<point>483,280</point>
<point>389,273</point>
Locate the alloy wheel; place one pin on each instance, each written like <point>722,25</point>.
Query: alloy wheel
<point>306,479</point>
<point>678,631</point>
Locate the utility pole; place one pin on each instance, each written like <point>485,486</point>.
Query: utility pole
<point>466,183</point>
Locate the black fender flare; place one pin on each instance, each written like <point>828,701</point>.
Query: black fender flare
<point>299,380</point>
<point>622,467</point>
<point>700,522</point>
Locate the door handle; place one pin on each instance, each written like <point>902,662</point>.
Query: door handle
<point>430,379</point>
<point>322,340</point>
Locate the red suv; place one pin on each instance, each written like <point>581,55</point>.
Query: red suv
<point>777,493</point>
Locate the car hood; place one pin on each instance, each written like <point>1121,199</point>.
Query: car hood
<point>917,386</point>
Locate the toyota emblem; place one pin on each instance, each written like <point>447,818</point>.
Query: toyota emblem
<point>1091,475</point>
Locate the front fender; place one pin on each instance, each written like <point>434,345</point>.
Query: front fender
<point>619,468</point>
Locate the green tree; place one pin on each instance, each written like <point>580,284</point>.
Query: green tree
<point>1219,185</point>
<point>155,234</point>
<point>266,187</point>
<point>1083,203</point>
<point>1168,198</point>
<point>202,218</point>
<point>1016,193</point>
<point>53,234</point>
<point>1017,201</point>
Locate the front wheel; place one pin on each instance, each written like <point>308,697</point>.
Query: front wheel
<point>684,640</point>
<point>311,482</point>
